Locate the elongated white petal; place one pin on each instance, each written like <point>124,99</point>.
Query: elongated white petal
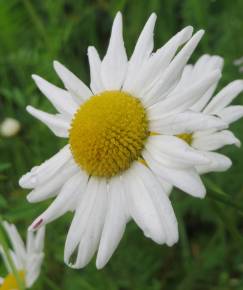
<point>142,51</point>
<point>16,241</point>
<point>187,180</point>
<point>214,141</point>
<point>141,207</point>
<point>56,124</point>
<point>91,230</point>
<point>90,210</point>
<point>72,83</point>
<point>70,192</point>
<point>52,187</point>
<point>218,163</point>
<point>181,101</point>
<point>61,99</point>
<point>174,70</point>
<point>176,149</point>
<point>156,64</point>
<point>42,173</point>
<point>224,97</point>
<point>231,114</point>
<point>96,84</point>
<point>115,222</point>
<point>161,203</point>
<point>114,64</point>
<point>185,122</point>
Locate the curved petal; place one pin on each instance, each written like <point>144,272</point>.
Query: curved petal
<point>214,141</point>
<point>224,97</point>
<point>71,192</point>
<point>55,123</point>
<point>61,99</point>
<point>173,70</point>
<point>174,149</point>
<point>187,179</point>
<point>151,71</point>
<point>185,122</point>
<point>42,173</point>
<point>181,101</point>
<point>114,64</point>
<point>115,221</point>
<point>51,187</point>
<point>142,51</point>
<point>95,71</point>
<point>72,83</point>
<point>231,114</point>
<point>218,163</point>
<point>85,230</point>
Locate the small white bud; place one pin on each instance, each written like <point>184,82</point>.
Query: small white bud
<point>9,127</point>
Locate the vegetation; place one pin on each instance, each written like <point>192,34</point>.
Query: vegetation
<point>34,33</point>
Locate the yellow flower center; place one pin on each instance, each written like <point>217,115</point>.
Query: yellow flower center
<point>108,133</point>
<point>10,282</point>
<point>187,137</point>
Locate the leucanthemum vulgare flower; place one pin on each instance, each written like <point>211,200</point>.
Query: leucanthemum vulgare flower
<point>124,147</point>
<point>27,258</point>
<point>208,141</point>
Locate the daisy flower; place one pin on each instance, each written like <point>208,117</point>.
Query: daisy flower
<point>122,152</point>
<point>27,259</point>
<point>208,141</point>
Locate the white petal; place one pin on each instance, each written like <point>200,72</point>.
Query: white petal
<point>174,70</point>
<point>114,64</point>
<point>42,173</point>
<point>142,51</point>
<point>187,180</point>
<point>231,114</point>
<point>16,241</point>
<point>87,224</point>
<point>181,101</point>
<point>218,163</point>
<point>71,192</point>
<point>61,99</point>
<point>52,187</point>
<point>224,97</point>
<point>175,149</point>
<point>72,83</point>
<point>161,203</point>
<point>141,206</point>
<point>185,122</point>
<point>214,141</point>
<point>115,222</point>
<point>57,125</point>
<point>96,84</point>
<point>150,73</point>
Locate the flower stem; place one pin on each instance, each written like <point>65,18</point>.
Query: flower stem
<point>9,259</point>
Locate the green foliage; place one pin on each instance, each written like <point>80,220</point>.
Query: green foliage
<point>32,34</point>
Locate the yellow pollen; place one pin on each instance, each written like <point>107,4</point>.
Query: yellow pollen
<point>108,133</point>
<point>187,137</point>
<point>10,282</point>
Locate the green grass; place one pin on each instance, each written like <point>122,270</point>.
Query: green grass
<point>32,34</point>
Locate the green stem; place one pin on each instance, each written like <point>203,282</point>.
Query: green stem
<point>9,259</point>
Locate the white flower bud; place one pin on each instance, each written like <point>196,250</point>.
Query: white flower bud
<point>9,127</point>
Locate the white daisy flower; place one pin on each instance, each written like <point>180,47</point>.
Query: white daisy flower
<point>27,259</point>
<point>121,155</point>
<point>219,105</point>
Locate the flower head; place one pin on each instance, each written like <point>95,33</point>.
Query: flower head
<point>123,152</point>
<point>208,141</point>
<point>27,258</point>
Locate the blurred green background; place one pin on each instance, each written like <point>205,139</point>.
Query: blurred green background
<point>32,34</point>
